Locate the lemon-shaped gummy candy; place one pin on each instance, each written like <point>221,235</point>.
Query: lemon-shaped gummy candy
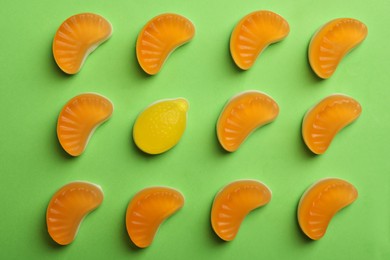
<point>160,126</point>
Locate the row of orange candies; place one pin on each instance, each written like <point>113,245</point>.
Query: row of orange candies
<point>81,34</point>
<point>151,206</point>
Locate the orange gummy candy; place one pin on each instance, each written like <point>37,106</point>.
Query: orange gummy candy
<point>233,203</point>
<point>78,120</point>
<point>68,207</point>
<point>321,202</point>
<point>76,38</point>
<point>332,42</point>
<point>243,114</point>
<point>147,210</point>
<point>159,38</point>
<point>253,34</point>
<point>322,122</point>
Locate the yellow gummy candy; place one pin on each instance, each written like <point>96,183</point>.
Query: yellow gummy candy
<point>160,126</point>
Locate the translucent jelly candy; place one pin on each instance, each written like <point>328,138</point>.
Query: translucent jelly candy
<point>68,207</point>
<point>243,114</point>
<point>78,120</point>
<point>233,203</point>
<point>147,210</point>
<point>161,36</point>
<point>321,202</point>
<point>253,34</point>
<point>76,38</point>
<point>322,122</point>
<point>332,42</point>
<point>160,126</point>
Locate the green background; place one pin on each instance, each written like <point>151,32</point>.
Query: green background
<point>34,166</point>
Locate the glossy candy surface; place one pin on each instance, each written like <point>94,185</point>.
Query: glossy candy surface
<point>161,125</point>
<point>147,210</point>
<point>78,120</point>
<point>243,114</point>
<point>253,34</point>
<point>68,207</point>
<point>233,203</point>
<point>322,122</point>
<point>159,38</point>
<point>332,42</point>
<point>76,38</point>
<point>321,202</point>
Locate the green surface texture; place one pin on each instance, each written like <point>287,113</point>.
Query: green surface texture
<point>33,165</point>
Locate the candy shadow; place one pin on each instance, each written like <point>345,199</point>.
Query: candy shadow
<point>54,67</point>
<point>310,73</point>
<point>213,237</point>
<point>300,235</point>
<point>216,240</point>
<point>304,149</point>
<point>219,148</point>
<point>128,244</point>
<point>233,66</point>
<point>58,148</point>
<point>136,68</point>
<point>46,237</point>
<point>216,144</point>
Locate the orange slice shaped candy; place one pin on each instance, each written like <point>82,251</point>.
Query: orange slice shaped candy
<point>321,202</point>
<point>322,122</point>
<point>332,42</point>
<point>159,37</point>
<point>147,210</point>
<point>253,34</point>
<point>68,207</point>
<point>233,203</point>
<point>76,38</point>
<point>78,120</point>
<point>243,114</point>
